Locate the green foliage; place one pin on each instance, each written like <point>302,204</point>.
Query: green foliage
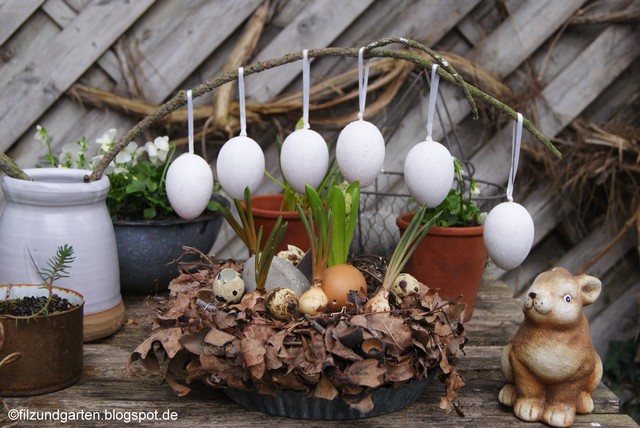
<point>246,231</point>
<point>265,255</point>
<point>136,175</point>
<point>139,192</point>
<point>344,202</point>
<point>409,241</point>
<point>457,209</point>
<point>317,223</point>
<point>58,265</point>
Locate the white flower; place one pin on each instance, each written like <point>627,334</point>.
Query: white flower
<point>108,170</point>
<point>474,189</point>
<point>158,150</point>
<point>69,157</point>
<point>123,158</point>
<point>482,217</point>
<point>106,140</point>
<point>41,135</point>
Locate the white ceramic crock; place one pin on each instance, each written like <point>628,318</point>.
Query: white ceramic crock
<point>54,209</point>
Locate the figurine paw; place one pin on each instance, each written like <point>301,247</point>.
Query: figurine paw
<point>559,415</point>
<point>507,395</point>
<point>585,403</point>
<point>529,409</point>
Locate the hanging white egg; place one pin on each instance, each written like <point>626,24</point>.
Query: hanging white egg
<point>240,164</point>
<point>304,159</point>
<point>508,234</point>
<point>360,152</point>
<point>189,184</point>
<point>428,172</point>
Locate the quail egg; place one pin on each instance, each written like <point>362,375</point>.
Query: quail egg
<point>282,303</point>
<point>228,286</point>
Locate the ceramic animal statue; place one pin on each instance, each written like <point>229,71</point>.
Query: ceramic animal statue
<point>550,364</point>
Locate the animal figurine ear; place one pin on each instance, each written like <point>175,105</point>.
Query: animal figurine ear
<point>590,287</point>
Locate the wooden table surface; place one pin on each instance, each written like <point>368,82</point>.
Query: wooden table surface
<point>110,388</point>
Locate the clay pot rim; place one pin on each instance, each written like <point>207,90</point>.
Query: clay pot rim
<point>286,215</point>
<point>402,221</point>
<point>4,289</point>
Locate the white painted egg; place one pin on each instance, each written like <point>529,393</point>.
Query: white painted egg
<point>428,172</point>
<point>240,165</point>
<point>508,234</point>
<point>304,159</point>
<point>360,152</point>
<point>189,184</point>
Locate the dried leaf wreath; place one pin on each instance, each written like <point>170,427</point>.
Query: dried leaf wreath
<point>241,347</point>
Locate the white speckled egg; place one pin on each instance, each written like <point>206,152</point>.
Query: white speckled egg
<point>304,159</point>
<point>189,184</point>
<point>240,164</point>
<point>228,287</point>
<point>360,152</point>
<point>428,172</point>
<point>508,234</point>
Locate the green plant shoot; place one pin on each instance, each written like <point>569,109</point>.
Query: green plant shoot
<point>344,203</point>
<point>318,224</point>
<point>246,231</point>
<point>265,257</point>
<point>411,238</point>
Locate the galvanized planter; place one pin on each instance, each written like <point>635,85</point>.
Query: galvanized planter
<point>50,346</point>
<point>147,248</point>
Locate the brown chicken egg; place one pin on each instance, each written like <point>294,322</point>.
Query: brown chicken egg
<point>337,281</point>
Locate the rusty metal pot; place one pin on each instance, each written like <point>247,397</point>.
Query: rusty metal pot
<point>49,346</point>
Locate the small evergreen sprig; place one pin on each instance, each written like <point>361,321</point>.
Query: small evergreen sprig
<point>57,268</point>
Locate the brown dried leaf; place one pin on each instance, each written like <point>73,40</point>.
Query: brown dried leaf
<point>336,347</point>
<point>217,337</point>
<point>169,338</point>
<point>179,307</point>
<point>1,335</point>
<point>325,389</point>
<point>364,373</point>
<point>362,404</point>
<point>400,371</point>
<point>396,331</point>
<point>194,342</point>
<point>453,383</point>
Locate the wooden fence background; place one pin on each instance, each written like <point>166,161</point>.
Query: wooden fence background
<point>561,60</point>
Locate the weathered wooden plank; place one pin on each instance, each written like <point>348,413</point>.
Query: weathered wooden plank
<point>175,37</point>
<point>63,15</point>
<point>525,34</point>
<point>617,322</point>
<point>398,18</point>
<point>13,14</point>
<point>28,94</point>
<point>316,26</point>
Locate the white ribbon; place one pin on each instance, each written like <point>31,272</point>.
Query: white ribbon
<point>515,155</point>
<point>305,88</point>
<point>433,96</point>
<point>190,119</point>
<point>243,115</point>
<point>363,79</point>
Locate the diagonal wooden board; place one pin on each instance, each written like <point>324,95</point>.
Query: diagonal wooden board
<point>47,74</point>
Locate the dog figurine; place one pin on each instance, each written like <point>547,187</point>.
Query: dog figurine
<point>550,364</point>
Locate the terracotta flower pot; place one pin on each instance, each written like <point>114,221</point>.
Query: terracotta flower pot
<point>451,259</point>
<point>50,345</point>
<point>266,209</point>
